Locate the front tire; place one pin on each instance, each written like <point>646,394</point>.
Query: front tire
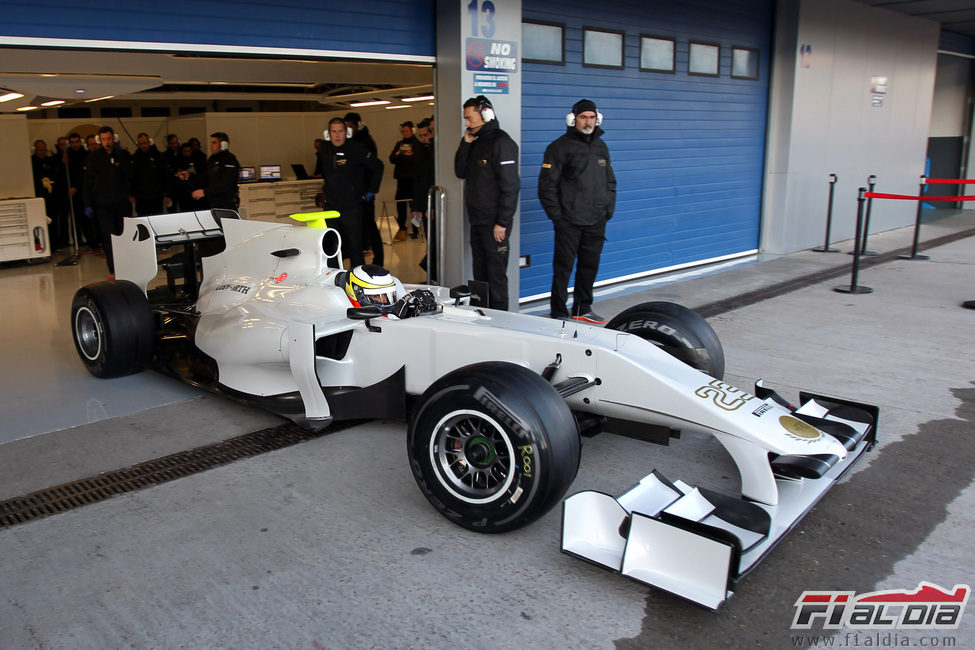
<point>113,328</point>
<point>678,331</point>
<point>493,446</point>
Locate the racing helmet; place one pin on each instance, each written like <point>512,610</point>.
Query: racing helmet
<point>370,284</point>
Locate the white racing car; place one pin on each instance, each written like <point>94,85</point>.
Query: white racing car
<point>496,402</point>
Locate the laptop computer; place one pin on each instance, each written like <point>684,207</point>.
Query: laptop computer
<point>269,173</point>
<point>300,172</point>
<point>247,175</point>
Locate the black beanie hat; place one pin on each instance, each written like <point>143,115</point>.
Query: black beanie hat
<point>584,105</point>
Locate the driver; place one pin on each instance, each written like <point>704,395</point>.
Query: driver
<point>369,284</point>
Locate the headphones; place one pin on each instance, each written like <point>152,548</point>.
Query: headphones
<point>328,137</point>
<point>570,119</point>
<point>485,109</point>
<point>224,145</point>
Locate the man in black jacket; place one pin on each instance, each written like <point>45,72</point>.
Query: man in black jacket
<point>107,182</point>
<point>50,184</point>
<point>577,188</point>
<point>487,160</point>
<point>403,159</point>
<point>149,177</point>
<point>424,179</point>
<point>352,176</point>
<point>219,182</point>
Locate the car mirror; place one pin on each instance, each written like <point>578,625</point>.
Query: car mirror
<point>459,293</point>
<point>364,313</point>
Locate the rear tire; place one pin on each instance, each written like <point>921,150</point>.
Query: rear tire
<point>113,328</point>
<point>678,331</point>
<point>493,446</point>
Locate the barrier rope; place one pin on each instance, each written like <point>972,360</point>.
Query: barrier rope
<point>906,197</point>
<point>952,181</point>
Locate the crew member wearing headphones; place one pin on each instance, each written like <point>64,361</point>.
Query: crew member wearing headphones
<point>219,182</point>
<point>351,175</point>
<point>487,160</point>
<point>577,188</point>
<point>107,182</point>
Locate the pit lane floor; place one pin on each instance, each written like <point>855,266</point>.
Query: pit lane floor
<point>330,544</point>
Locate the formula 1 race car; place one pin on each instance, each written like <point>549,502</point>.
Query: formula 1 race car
<point>496,402</point>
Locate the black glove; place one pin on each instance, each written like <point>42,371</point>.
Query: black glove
<point>415,303</point>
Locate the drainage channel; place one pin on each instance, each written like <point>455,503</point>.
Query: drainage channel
<point>92,489</point>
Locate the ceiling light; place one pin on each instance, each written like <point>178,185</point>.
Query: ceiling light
<point>53,102</point>
<point>9,96</point>
<point>98,99</point>
<point>27,108</point>
<point>417,99</point>
<point>389,108</point>
<point>378,102</point>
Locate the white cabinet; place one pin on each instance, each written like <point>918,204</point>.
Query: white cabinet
<point>23,230</point>
<point>276,201</point>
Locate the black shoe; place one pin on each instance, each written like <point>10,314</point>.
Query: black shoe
<point>590,317</point>
<point>559,316</point>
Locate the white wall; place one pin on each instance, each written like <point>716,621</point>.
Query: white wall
<point>16,177</point>
<point>822,120</point>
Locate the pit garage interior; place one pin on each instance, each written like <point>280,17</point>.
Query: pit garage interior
<point>716,171</point>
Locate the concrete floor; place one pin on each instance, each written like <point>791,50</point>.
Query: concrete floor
<point>329,544</point>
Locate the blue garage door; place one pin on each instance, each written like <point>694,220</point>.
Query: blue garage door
<point>688,150</point>
<point>393,27</point>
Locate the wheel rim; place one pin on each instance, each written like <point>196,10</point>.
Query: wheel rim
<point>472,456</point>
<point>88,333</point>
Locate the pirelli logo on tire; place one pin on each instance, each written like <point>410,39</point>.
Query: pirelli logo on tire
<point>505,416</point>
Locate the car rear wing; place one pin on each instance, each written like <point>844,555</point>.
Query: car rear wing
<point>697,543</point>
<point>135,250</point>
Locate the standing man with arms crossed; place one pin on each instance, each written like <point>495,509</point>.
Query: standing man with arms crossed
<point>577,188</point>
<point>487,160</point>
<point>352,176</point>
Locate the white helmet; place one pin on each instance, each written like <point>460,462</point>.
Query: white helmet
<point>373,285</point>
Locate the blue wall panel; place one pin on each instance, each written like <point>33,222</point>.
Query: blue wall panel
<point>688,151</point>
<point>404,27</point>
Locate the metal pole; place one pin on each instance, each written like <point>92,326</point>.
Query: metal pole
<point>871,181</point>
<point>436,219</point>
<point>829,218</point>
<point>70,260</point>
<point>917,226</point>
<point>854,288</point>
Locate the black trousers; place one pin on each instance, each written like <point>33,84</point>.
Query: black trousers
<point>349,225</point>
<point>404,190</point>
<point>490,261</point>
<point>110,220</point>
<point>581,245</point>
<point>371,237</point>
<point>149,207</point>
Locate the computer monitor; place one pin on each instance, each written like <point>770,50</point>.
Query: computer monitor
<point>247,175</point>
<point>270,172</point>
